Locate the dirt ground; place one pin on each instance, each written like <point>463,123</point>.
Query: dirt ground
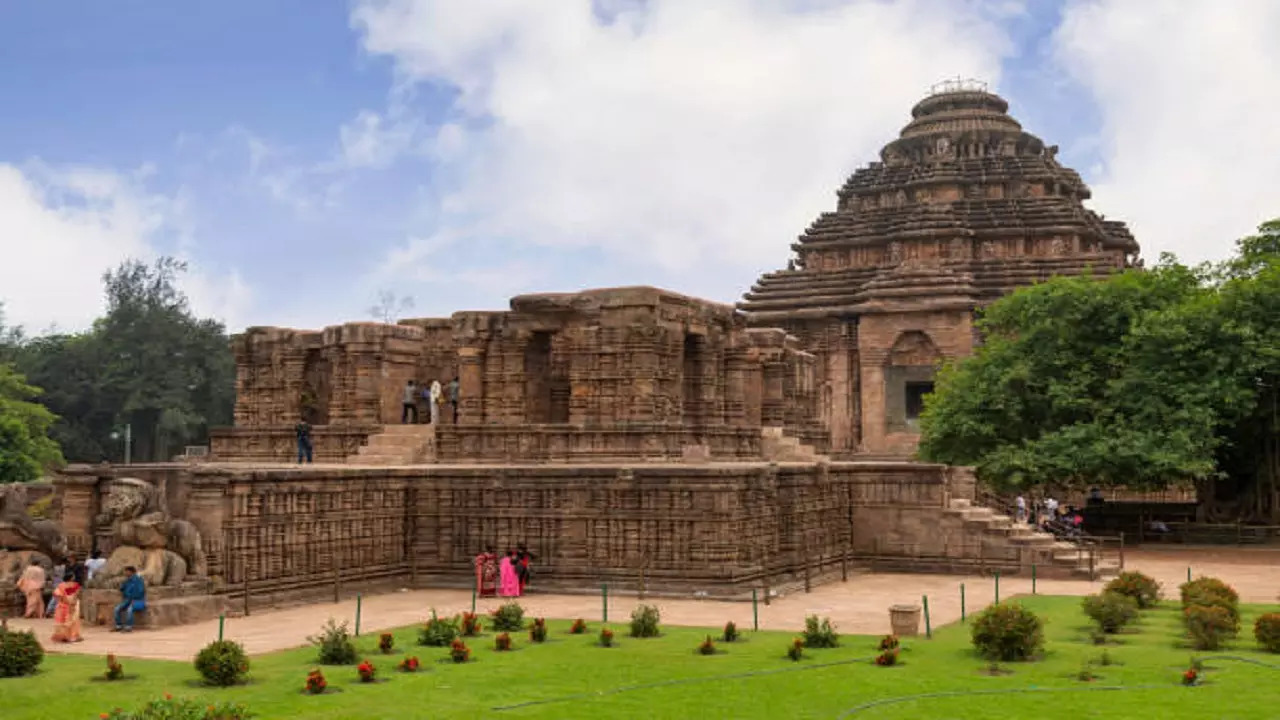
<point>858,606</point>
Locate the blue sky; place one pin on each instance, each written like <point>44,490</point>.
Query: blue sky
<point>305,155</point>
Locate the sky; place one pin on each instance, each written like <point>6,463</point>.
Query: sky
<point>308,157</point>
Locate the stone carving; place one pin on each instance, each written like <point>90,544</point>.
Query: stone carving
<point>1058,247</point>
<point>164,549</point>
<point>895,252</point>
<point>24,539</point>
<point>959,248</point>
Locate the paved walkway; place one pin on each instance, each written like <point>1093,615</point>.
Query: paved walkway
<point>859,606</point>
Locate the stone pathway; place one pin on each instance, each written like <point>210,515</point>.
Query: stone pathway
<point>859,606</point>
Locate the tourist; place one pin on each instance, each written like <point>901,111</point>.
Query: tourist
<point>66,619</point>
<point>487,573</point>
<point>453,397</point>
<point>523,559</point>
<point>31,585</point>
<point>77,569</point>
<point>1051,508</point>
<point>410,407</point>
<point>1020,508</point>
<point>133,594</point>
<point>302,431</point>
<point>51,582</point>
<point>95,563</point>
<point>1095,496</point>
<point>437,398</point>
<point>507,574</point>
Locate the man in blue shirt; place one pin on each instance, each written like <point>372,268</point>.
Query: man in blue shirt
<point>134,598</point>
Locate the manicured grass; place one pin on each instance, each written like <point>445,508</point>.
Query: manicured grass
<point>585,676</point>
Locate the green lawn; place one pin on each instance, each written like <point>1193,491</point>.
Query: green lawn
<point>594,682</point>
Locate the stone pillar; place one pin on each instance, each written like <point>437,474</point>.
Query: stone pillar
<point>735,387</point>
<point>289,405</point>
<point>77,496</point>
<point>470,385</point>
<point>773,407</point>
<point>207,510</point>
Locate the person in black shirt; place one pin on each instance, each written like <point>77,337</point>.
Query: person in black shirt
<point>76,569</point>
<point>303,432</point>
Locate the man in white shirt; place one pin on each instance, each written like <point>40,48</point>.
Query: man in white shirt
<point>1051,508</point>
<point>1020,508</point>
<point>95,563</point>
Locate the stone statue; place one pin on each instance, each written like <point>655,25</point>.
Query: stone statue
<point>24,539</point>
<point>1058,247</point>
<point>164,549</point>
<point>988,249</point>
<point>895,252</point>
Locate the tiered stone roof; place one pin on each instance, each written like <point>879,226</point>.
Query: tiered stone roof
<point>963,190</point>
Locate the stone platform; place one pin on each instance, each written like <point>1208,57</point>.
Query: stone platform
<point>192,602</point>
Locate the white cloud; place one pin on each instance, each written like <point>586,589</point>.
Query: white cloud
<point>1190,115</point>
<point>61,228</point>
<point>689,134</point>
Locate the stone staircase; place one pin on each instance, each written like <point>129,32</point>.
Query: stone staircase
<point>777,446</point>
<point>398,445</point>
<point>1002,534</point>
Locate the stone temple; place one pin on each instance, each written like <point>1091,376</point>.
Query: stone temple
<point>647,439</point>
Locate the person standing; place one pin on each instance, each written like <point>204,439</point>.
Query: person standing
<point>303,433</point>
<point>454,386</point>
<point>486,573</point>
<point>77,569</point>
<point>66,619</point>
<point>31,585</point>
<point>1020,508</point>
<point>409,407</point>
<point>95,563</point>
<point>508,579</point>
<point>133,598</point>
<point>436,399</point>
<point>51,582</point>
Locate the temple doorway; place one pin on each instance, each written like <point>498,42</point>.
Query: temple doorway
<point>909,375</point>
<point>546,381</point>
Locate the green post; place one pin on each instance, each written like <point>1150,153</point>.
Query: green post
<point>1188,573</point>
<point>359,602</point>
<point>1033,578</point>
<point>473,599</point>
<point>755,610</point>
<point>997,587</point>
<point>604,601</point>
<point>962,602</point>
<point>928,627</point>
<point>222,619</point>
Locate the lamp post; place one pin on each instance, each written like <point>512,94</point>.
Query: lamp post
<point>128,442</point>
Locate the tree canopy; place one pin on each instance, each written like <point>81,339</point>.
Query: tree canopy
<point>25,447</point>
<point>1140,379</point>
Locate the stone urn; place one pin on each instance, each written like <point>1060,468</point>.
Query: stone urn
<point>905,620</point>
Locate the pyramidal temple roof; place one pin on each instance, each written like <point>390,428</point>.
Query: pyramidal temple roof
<point>963,191</point>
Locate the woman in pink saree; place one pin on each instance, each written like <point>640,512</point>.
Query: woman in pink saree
<point>66,619</point>
<point>31,585</point>
<point>510,581</point>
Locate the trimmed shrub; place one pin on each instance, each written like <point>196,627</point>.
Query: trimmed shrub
<point>795,651</point>
<point>367,672</point>
<point>438,632</point>
<point>1110,610</point>
<point>1212,592</point>
<point>887,658</point>
<point>335,645</point>
<point>469,624</point>
<point>579,627</point>
<point>1008,632</point>
<point>1209,625</point>
<point>502,642</point>
<point>222,663</point>
<point>538,630</point>
<point>1267,632</point>
<point>169,708</point>
<point>606,638</point>
<point>386,643</point>
<point>459,652</point>
<point>115,671</point>
<point>706,647</point>
<point>644,622</point>
<point>820,633</point>
<point>316,684</point>
<point>20,653</point>
<point>730,632</point>
<point>889,642</point>
<point>508,618</point>
<point>1142,588</point>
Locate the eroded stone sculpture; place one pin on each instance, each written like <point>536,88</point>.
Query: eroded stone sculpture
<point>23,538</point>
<point>164,549</point>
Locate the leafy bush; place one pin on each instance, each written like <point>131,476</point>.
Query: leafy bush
<point>409,664</point>
<point>1008,632</point>
<point>820,633</point>
<point>20,653</point>
<point>1142,588</point>
<point>730,632</point>
<point>316,683</point>
<point>459,652</point>
<point>167,708</point>
<point>508,618</point>
<point>795,651</point>
<point>1267,632</point>
<point>706,647</point>
<point>538,630</point>
<point>644,621</point>
<point>502,643</point>
<point>889,642</point>
<point>334,642</point>
<point>1212,592</point>
<point>469,624</point>
<point>368,673</point>
<point>386,643</point>
<point>606,637</point>
<point>115,670</point>
<point>223,663</point>
<point>1110,610</point>
<point>438,632</point>
<point>1209,625</point>
<point>887,658</point>
<point>579,627</point>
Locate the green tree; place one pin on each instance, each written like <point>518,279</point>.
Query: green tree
<point>25,447</point>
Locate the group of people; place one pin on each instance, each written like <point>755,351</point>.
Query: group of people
<point>57,594</point>
<point>434,395</point>
<point>1049,516</point>
<point>507,576</point>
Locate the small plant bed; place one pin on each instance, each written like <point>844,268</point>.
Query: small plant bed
<point>507,618</point>
<point>579,627</point>
<point>334,644</point>
<point>469,625</point>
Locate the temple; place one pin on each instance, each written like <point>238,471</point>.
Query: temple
<point>963,207</point>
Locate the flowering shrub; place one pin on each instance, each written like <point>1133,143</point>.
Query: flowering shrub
<point>502,643</point>
<point>606,637</point>
<point>1209,625</point>
<point>1190,676</point>
<point>222,663</point>
<point>796,650</point>
<point>1267,632</point>
<point>470,624</point>
<point>707,647</point>
<point>1110,610</point>
<point>316,683</point>
<point>368,673</point>
<point>888,657</point>
<point>167,708</point>
<point>730,632</point>
<point>409,664</point>
<point>538,630</point>
<point>1212,592</point>
<point>508,618</point>
<point>459,652</point>
<point>115,670</point>
<point>1143,589</point>
<point>644,621</point>
<point>335,645</point>
<point>579,627</point>
<point>1008,632</point>
<point>386,643</point>
<point>438,632</point>
<point>820,633</point>
<point>20,653</point>
<point>889,642</point>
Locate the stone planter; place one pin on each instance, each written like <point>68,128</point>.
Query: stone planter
<point>905,620</point>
